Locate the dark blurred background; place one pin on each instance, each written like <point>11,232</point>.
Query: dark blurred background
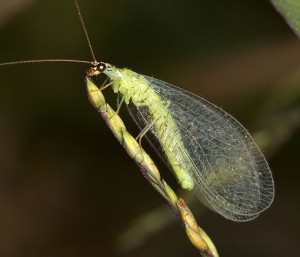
<point>68,189</point>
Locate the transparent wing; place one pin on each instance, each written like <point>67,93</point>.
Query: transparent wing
<point>230,173</point>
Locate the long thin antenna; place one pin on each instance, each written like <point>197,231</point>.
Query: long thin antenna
<point>94,62</point>
<point>44,60</point>
<point>85,31</point>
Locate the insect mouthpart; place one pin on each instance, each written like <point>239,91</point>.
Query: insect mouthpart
<point>96,69</point>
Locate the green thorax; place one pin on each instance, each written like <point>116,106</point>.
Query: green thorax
<point>132,85</point>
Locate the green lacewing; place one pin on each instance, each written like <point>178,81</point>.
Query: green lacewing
<point>207,149</point>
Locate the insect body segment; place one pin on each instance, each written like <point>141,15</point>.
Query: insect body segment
<point>138,91</point>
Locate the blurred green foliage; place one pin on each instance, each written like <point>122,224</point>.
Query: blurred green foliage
<point>290,10</point>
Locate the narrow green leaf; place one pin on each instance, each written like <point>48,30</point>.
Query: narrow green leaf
<point>290,10</point>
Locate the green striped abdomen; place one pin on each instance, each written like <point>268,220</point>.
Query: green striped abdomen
<point>136,89</point>
<point>169,137</point>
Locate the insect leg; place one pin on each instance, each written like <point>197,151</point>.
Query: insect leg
<point>103,86</point>
<point>120,104</point>
<point>148,127</point>
<point>145,130</point>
